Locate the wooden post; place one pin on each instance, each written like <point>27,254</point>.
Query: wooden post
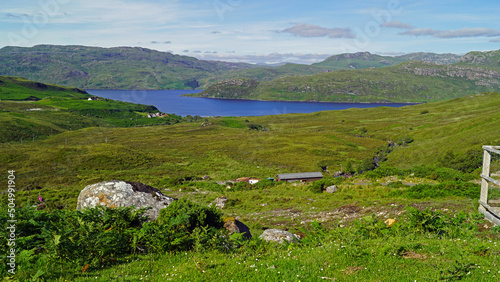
<point>486,172</point>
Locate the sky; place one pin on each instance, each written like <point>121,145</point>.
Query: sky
<point>257,31</point>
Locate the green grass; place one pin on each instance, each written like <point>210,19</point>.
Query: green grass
<point>173,158</point>
<point>226,148</point>
<point>62,109</point>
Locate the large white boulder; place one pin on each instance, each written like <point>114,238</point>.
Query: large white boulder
<point>124,194</point>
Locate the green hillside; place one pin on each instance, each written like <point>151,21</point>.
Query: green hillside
<point>429,156</point>
<point>227,148</point>
<point>110,68</point>
<point>139,68</point>
<point>413,81</point>
<point>362,60</point>
<point>32,110</point>
<point>487,59</point>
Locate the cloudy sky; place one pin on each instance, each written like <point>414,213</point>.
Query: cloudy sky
<point>257,31</point>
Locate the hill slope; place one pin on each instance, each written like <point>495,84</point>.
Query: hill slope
<point>412,81</point>
<point>110,68</point>
<point>362,60</point>
<point>140,68</point>
<point>226,148</point>
<point>34,110</point>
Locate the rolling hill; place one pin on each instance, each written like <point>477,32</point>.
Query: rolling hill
<point>362,60</point>
<point>140,68</point>
<point>414,81</point>
<point>32,110</point>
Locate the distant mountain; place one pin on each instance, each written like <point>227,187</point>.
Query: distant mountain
<point>413,81</point>
<point>362,60</point>
<point>111,68</point>
<point>488,59</point>
<point>141,68</point>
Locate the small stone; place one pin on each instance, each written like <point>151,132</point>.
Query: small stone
<point>278,235</point>
<point>331,189</point>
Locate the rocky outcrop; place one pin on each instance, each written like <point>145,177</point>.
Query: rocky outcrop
<point>124,194</point>
<point>278,235</point>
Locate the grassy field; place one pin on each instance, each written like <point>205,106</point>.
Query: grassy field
<point>344,237</point>
<point>226,148</point>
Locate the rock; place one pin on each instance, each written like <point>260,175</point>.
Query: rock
<point>278,235</point>
<point>117,193</point>
<point>220,202</point>
<point>206,177</point>
<point>331,189</point>
<point>234,225</point>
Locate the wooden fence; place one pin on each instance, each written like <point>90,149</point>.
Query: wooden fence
<point>488,182</point>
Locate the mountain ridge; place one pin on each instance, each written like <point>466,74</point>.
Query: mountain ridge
<point>89,67</point>
<point>413,81</point>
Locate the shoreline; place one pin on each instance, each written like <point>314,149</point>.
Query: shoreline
<point>305,101</point>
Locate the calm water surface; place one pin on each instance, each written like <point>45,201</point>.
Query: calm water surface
<point>170,101</point>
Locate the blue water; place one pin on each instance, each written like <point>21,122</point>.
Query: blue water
<point>170,101</point>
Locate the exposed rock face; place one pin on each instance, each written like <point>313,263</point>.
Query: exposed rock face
<point>124,194</point>
<point>278,235</point>
<point>234,225</point>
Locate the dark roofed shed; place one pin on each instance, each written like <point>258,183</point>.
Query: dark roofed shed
<point>302,177</point>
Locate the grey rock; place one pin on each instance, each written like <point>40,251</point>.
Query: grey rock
<point>331,189</point>
<point>124,194</point>
<point>278,235</point>
<point>220,202</point>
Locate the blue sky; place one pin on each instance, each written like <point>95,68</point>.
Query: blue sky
<point>257,31</point>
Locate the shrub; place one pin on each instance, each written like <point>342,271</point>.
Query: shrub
<point>181,226</point>
<point>320,185</point>
<point>456,188</point>
<point>367,165</point>
<point>467,162</point>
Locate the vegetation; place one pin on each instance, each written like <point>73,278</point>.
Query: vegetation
<point>407,82</point>
<point>107,244</point>
<point>32,110</point>
<point>140,68</point>
<point>417,169</point>
<point>363,60</point>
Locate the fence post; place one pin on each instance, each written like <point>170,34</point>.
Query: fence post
<point>486,172</point>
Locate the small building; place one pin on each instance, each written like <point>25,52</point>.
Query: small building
<point>302,177</point>
<point>251,180</point>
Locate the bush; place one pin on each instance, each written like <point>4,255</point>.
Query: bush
<point>266,183</point>
<point>447,189</point>
<point>320,185</point>
<point>367,165</point>
<point>467,162</point>
<point>191,215</point>
<point>181,226</point>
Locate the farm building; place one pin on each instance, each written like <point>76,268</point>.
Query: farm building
<point>251,180</point>
<point>302,177</point>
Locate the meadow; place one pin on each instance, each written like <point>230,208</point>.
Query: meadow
<point>428,159</point>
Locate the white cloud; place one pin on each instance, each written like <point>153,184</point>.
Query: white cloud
<point>396,24</point>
